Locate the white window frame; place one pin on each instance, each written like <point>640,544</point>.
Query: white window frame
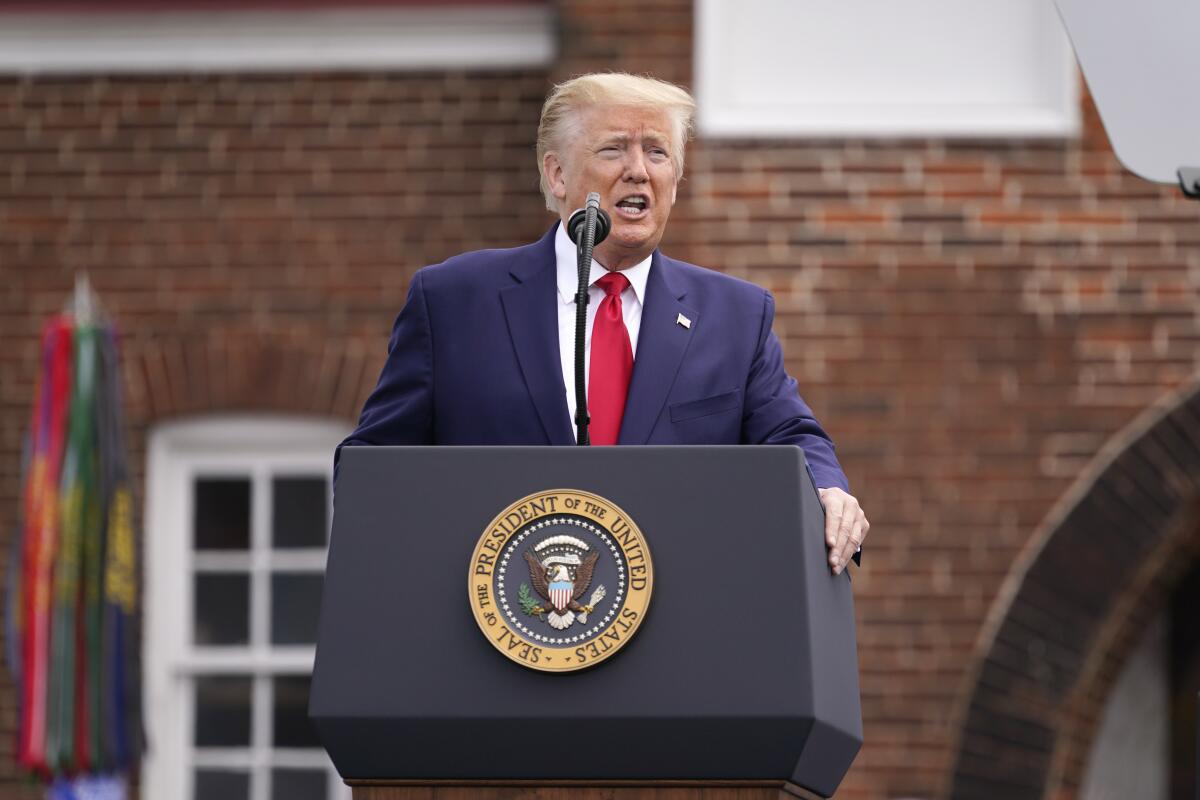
<point>178,452</point>
<point>263,40</point>
<point>725,111</point>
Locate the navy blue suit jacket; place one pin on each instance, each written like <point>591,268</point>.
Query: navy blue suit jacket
<point>474,360</point>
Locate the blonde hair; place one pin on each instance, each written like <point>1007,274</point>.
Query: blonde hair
<point>561,110</point>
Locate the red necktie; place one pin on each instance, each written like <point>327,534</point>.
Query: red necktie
<point>612,363</point>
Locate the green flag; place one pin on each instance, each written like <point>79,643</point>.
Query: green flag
<point>68,688</point>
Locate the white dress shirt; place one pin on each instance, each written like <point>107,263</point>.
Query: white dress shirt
<point>568,284</point>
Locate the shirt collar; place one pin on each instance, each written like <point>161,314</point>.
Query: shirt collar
<point>568,275</point>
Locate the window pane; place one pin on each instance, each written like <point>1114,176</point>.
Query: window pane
<point>299,512</point>
<point>295,605</point>
<point>220,784</point>
<point>299,784</point>
<point>223,711</point>
<point>222,514</point>
<point>222,612</point>
<point>292,728</point>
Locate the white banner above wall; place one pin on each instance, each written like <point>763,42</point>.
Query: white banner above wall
<point>878,68</point>
<point>182,37</point>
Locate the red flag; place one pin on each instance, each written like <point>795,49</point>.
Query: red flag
<point>41,536</point>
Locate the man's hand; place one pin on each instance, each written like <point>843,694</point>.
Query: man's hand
<point>845,526</point>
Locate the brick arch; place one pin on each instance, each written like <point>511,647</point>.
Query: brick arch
<point>168,377</point>
<point>1069,612</point>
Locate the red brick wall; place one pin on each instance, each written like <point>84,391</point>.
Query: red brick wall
<point>971,320</point>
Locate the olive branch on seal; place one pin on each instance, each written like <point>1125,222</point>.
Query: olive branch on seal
<point>528,603</point>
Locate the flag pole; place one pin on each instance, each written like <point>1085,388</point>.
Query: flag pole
<point>84,304</point>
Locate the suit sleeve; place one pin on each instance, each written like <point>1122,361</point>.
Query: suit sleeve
<point>400,409</point>
<point>776,414</point>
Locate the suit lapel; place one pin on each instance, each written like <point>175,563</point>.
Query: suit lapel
<point>531,312</point>
<point>662,343</point>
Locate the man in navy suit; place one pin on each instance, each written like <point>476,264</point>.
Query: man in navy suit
<point>482,353</point>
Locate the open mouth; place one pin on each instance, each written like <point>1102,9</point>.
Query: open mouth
<point>633,206</point>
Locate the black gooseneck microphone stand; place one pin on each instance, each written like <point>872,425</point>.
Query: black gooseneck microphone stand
<point>587,228</point>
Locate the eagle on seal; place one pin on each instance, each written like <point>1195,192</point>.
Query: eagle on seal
<point>560,591</point>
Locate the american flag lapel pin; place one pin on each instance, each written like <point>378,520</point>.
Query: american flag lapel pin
<point>684,321</point>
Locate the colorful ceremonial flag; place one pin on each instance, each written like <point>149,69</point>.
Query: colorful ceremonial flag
<point>73,609</point>
<point>66,744</point>
<point>41,538</point>
<point>120,713</point>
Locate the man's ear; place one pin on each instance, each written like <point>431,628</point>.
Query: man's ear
<point>552,168</point>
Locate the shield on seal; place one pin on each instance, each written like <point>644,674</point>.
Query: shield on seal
<point>560,594</point>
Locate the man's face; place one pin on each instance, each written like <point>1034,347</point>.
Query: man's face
<point>624,153</point>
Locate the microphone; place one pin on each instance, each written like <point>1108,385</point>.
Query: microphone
<point>578,220</point>
<point>587,228</point>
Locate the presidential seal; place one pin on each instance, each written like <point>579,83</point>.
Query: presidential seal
<point>560,580</point>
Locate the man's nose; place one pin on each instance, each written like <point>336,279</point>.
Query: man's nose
<point>635,166</point>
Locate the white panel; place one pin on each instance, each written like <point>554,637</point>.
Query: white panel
<point>228,41</point>
<point>1140,62</point>
<point>880,67</point>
